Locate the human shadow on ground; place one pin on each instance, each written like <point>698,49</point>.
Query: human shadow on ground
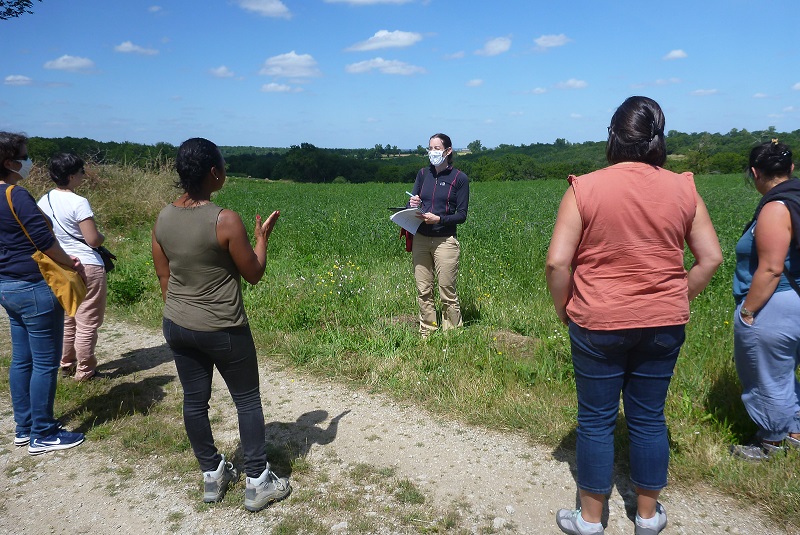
<point>724,402</point>
<point>120,401</point>
<point>136,360</point>
<point>565,452</point>
<point>288,441</point>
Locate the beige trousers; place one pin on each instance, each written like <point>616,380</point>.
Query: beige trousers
<point>436,258</point>
<point>80,332</point>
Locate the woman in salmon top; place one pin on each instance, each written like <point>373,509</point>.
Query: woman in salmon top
<point>615,273</point>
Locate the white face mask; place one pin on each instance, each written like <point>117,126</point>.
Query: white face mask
<point>25,170</point>
<point>436,157</point>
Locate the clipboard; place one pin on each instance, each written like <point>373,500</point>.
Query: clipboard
<point>407,219</point>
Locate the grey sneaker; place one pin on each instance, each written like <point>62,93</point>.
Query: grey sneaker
<point>757,451</point>
<point>661,513</point>
<point>267,488</point>
<point>567,520</point>
<point>793,443</point>
<point>215,484</point>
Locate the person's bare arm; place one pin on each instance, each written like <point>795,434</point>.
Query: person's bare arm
<point>704,245</point>
<point>773,236</point>
<point>90,233</point>
<point>231,235</point>
<point>161,263</point>
<point>566,237</point>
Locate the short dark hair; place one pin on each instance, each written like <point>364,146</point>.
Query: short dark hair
<point>10,148</point>
<point>196,157</point>
<point>62,166</point>
<point>447,144</point>
<point>772,159</point>
<point>636,133</point>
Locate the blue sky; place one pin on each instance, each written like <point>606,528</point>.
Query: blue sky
<point>354,73</point>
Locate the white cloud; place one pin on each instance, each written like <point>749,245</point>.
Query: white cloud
<point>675,54</point>
<point>704,92</point>
<point>291,65</point>
<point>538,91</point>
<point>551,41</point>
<point>154,9</point>
<point>760,95</point>
<point>790,109</point>
<point>387,39</point>
<point>572,83</point>
<point>221,72</point>
<point>576,116</point>
<point>456,55</point>
<point>495,46</point>
<point>366,2</point>
<point>475,83</point>
<point>384,66</point>
<point>129,48</point>
<point>69,63</point>
<point>278,88</point>
<point>17,79</point>
<point>661,82</point>
<point>796,86</point>
<point>266,8</point>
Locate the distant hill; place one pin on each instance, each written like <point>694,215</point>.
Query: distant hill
<point>698,152</point>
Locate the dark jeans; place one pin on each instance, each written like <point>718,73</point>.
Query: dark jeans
<point>638,363</point>
<point>37,332</point>
<point>233,352</point>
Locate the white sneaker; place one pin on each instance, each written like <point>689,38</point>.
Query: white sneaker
<point>571,522</point>
<point>661,513</point>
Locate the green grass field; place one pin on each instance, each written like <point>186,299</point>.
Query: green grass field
<point>338,300</point>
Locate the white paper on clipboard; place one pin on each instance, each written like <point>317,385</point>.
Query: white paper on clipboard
<point>407,219</point>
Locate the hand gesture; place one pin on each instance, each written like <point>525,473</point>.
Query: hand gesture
<point>263,230</point>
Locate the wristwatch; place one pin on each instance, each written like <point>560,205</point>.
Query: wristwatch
<point>746,313</point>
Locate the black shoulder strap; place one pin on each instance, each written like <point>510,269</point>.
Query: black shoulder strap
<point>62,226</point>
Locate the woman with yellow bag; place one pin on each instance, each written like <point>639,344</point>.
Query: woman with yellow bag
<point>35,315</point>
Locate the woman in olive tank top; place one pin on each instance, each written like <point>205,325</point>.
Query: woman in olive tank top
<point>200,252</point>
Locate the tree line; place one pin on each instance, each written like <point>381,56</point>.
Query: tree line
<point>698,152</point>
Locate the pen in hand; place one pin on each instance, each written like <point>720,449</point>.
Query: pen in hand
<point>419,201</point>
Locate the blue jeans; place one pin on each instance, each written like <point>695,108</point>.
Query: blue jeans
<point>233,352</point>
<point>767,354</point>
<point>37,332</point>
<point>639,364</point>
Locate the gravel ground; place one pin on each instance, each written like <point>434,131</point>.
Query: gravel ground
<point>483,481</point>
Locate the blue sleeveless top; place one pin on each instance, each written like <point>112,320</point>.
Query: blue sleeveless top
<point>747,261</point>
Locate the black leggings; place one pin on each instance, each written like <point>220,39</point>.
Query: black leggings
<point>233,352</point>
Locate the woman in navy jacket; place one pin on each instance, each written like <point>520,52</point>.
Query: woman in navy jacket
<point>441,193</point>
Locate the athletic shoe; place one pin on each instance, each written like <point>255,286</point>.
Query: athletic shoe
<point>24,438</point>
<point>567,520</point>
<point>756,451</point>
<point>61,440</point>
<point>68,371</point>
<point>215,484</point>
<point>661,513</point>
<point>267,488</point>
<point>793,443</point>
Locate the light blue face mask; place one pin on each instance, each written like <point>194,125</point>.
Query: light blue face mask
<point>25,170</point>
<point>436,157</point>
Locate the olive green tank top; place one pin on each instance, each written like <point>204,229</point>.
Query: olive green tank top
<point>204,292</point>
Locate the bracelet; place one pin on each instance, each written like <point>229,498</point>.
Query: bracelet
<point>746,313</point>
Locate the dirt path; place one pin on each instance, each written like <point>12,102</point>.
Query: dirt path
<point>487,482</point>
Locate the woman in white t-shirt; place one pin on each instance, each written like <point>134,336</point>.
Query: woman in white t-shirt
<point>75,228</point>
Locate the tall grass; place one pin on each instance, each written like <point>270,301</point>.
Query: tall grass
<point>338,300</point>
